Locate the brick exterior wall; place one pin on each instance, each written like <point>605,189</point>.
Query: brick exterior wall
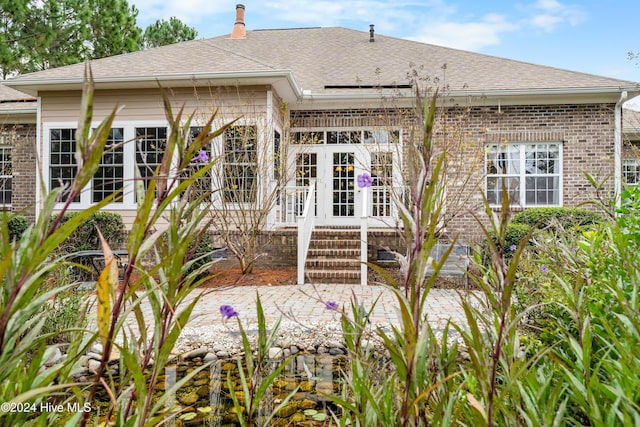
<point>21,137</point>
<point>585,132</point>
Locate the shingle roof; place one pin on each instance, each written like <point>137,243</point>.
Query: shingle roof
<point>14,101</point>
<point>631,121</point>
<point>336,57</point>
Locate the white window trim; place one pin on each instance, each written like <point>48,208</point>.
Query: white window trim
<point>522,176</point>
<point>218,168</point>
<point>5,146</point>
<point>635,163</point>
<point>129,152</point>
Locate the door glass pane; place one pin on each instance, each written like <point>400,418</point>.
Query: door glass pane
<point>306,172</point>
<point>343,185</point>
<point>381,172</point>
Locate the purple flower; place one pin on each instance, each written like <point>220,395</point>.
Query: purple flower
<point>331,305</point>
<point>202,157</point>
<point>228,312</point>
<point>513,248</point>
<point>364,180</point>
<point>544,270</point>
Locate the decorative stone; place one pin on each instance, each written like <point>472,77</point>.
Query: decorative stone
<point>55,355</point>
<point>298,417</point>
<point>286,411</point>
<point>336,351</point>
<point>222,354</point>
<point>188,399</point>
<point>294,349</point>
<point>308,404</point>
<point>203,390</point>
<point>198,352</point>
<point>275,353</point>
<point>210,357</point>
<point>93,365</point>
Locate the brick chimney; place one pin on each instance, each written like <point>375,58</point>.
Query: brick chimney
<point>238,28</point>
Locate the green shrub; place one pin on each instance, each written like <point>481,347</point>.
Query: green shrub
<point>202,254</point>
<point>515,233</point>
<point>65,311</point>
<point>566,217</point>
<point>85,237</point>
<point>17,225</point>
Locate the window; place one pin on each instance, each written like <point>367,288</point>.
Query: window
<point>203,185</point>
<point>382,174</point>
<point>109,177</point>
<point>150,145</point>
<point>357,136</point>
<point>6,175</point>
<point>529,172</point>
<point>631,171</point>
<point>240,164</point>
<point>62,161</point>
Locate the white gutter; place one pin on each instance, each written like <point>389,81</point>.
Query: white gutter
<point>38,169</point>
<point>352,94</point>
<point>24,83</point>
<point>617,146</point>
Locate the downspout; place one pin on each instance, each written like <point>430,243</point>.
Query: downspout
<point>268,139</point>
<point>617,147</point>
<point>39,159</point>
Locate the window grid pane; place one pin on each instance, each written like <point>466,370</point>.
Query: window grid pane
<point>202,187</point>
<point>62,162</point>
<point>150,145</point>
<point>240,164</point>
<point>382,173</point>
<point>6,175</point>
<point>343,185</point>
<point>631,171</point>
<point>110,174</point>
<point>536,167</point>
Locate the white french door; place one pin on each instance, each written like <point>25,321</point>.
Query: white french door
<point>334,169</point>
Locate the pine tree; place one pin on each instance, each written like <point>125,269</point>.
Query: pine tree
<point>13,14</point>
<point>163,32</point>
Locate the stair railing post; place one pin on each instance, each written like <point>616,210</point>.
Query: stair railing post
<point>306,222</point>
<point>364,219</point>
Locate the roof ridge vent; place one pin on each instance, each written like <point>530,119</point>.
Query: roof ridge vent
<point>239,31</point>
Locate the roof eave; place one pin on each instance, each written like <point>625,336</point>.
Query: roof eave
<point>480,97</point>
<point>282,79</point>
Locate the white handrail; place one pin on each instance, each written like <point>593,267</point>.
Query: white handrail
<point>364,218</point>
<point>306,222</point>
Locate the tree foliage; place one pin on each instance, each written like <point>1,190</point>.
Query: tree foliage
<point>162,33</point>
<point>12,18</point>
<point>39,34</point>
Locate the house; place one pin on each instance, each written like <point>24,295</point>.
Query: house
<point>17,151</point>
<point>332,104</point>
<point>631,155</point>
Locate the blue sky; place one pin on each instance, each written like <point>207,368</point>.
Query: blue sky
<point>581,35</point>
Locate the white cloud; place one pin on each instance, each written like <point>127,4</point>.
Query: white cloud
<point>190,12</point>
<point>466,35</point>
<point>549,14</point>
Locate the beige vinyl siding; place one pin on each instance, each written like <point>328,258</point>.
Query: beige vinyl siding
<point>146,104</point>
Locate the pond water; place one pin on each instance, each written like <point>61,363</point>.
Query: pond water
<point>206,399</point>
